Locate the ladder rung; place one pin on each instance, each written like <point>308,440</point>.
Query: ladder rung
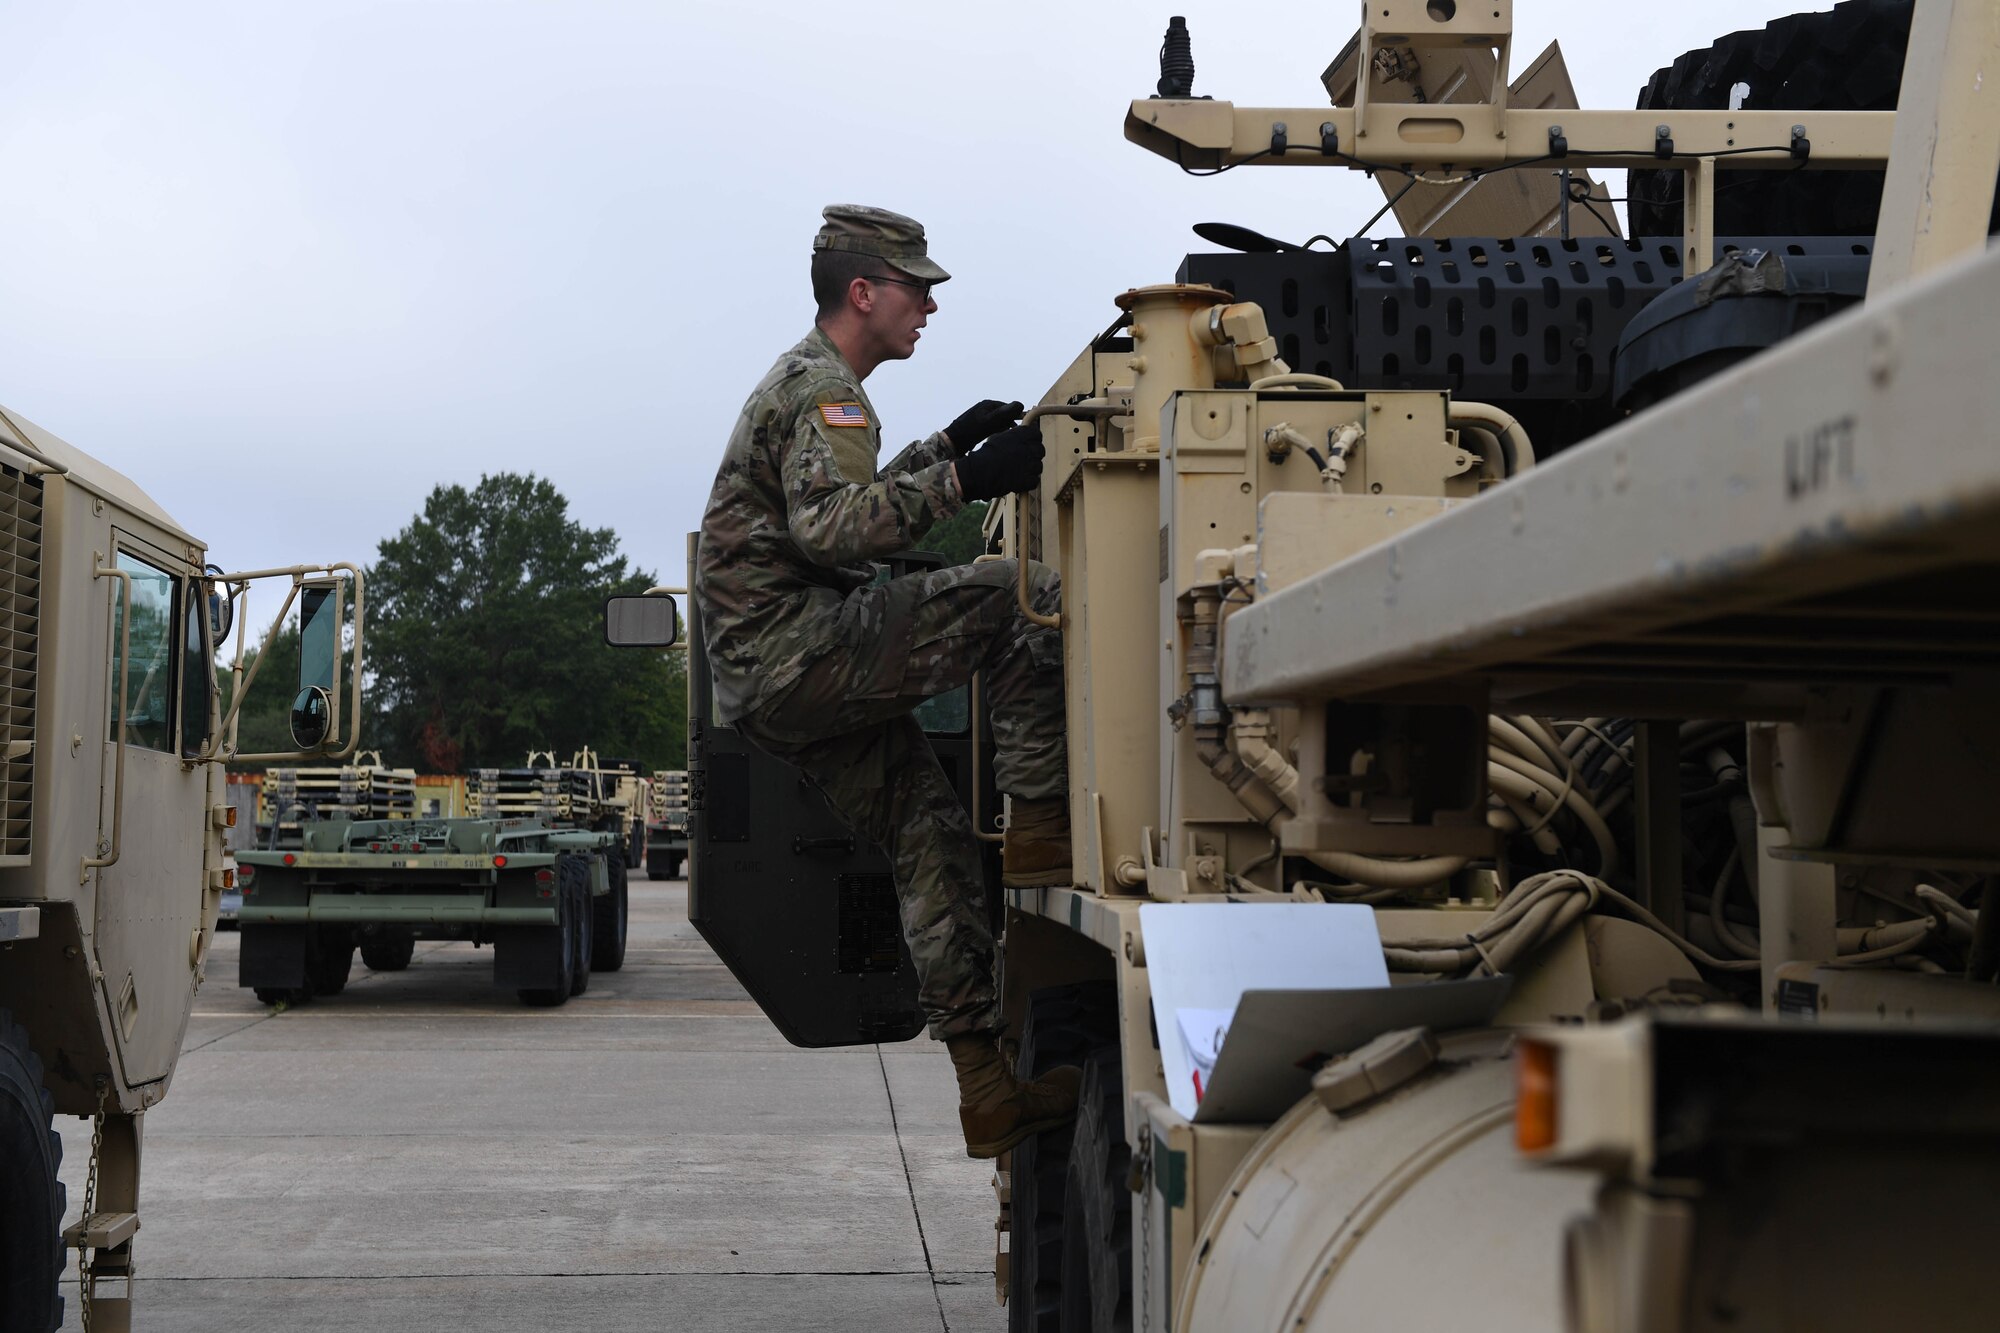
<point>102,1231</point>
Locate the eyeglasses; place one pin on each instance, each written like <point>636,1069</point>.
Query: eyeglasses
<point>923,289</point>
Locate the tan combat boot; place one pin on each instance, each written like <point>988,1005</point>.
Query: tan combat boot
<point>1035,853</point>
<point>997,1110</point>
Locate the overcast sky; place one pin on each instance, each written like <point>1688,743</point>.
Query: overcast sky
<point>289,266</point>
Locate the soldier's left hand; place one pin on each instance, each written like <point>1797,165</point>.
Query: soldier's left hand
<point>977,422</point>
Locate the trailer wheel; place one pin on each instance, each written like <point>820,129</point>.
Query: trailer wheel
<point>389,951</point>
<point>583,937</point>
<point>1097,1205</point>
<point>608,917</point>
<point>1064,1024</point>
<point>32,1197</point>
<point>581,912</point>
<point>565,929</point>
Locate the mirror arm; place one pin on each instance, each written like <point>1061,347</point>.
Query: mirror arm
<point>354,685</point>
<point>298,580</point>
<point>243,681</point>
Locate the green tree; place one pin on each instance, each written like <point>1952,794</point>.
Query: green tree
<point>485,638</point>
<point>958,539</point>
<point>264,725</point>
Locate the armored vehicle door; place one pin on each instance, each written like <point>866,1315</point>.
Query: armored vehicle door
<point>803,913</point>
<point>150,808</point>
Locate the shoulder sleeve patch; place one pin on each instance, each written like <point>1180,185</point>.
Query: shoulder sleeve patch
<point>843,414</point>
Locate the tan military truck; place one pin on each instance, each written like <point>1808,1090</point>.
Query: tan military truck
<point>111,849</point>
<point>1532,737</point>
<point>1590,637</point>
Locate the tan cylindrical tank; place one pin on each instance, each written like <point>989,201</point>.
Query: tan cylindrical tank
<point>1166,356</point>
<point>1412,1212</point>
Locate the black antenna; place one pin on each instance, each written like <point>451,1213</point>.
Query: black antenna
<point>1176,61</point>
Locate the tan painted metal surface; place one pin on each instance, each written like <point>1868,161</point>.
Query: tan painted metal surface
<point>1785,483</point>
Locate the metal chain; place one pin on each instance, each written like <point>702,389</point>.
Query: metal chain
<point>84,1278</point>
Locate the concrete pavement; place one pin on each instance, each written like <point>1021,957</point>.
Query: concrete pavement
<point>422,1148</point>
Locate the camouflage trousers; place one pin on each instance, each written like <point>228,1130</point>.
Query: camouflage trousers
<point>847,724</point>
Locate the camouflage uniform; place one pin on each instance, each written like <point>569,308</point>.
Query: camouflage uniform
<point>820,665</point>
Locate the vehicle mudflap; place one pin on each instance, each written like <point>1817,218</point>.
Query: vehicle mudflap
<point>527,957</point>
<point>274,957</point>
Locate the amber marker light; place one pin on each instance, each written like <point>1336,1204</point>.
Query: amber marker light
<point>1534,1096</point>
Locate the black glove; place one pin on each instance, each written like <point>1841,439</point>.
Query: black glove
<point>1010,461</point>
<point>979,421</point>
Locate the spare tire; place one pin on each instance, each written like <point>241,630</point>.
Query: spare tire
<point>1847,59</point>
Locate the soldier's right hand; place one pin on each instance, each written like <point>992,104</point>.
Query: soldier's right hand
<point>1010,461</point>
<point>977,422</point>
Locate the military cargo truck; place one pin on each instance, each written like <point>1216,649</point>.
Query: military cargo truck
<point>288,798</point>
<point>1588,636</point>
<point>111,837</point>
<point>667,824</point>
<point>551,901</point>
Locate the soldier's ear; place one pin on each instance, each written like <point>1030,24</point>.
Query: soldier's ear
<point>861,295</point>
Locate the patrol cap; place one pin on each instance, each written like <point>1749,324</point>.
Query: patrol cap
<point>894,239</point>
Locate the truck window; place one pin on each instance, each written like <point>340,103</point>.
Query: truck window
<point>149,680</point>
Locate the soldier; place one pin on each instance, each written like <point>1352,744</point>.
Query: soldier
<point>817,663</point>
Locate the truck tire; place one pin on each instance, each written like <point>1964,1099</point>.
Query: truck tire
<point>332,960</point>
<point>549,997</point>
<point>608,919</point>
<point>659,865</point>
<point>675,860</point>
<point>1097,1205</point>
<point>1847,59</point>
<point>388,951</point>
<point>32,1196</point>
<point>581,912</point>
<point>291,995</point>
<point>1064,1024</point>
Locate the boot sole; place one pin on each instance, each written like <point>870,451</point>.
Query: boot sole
<point>1059,878</point>
<point>983,1151</point>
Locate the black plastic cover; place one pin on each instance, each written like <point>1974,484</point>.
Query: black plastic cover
<point>803,914</point>
<point>1752,300</point>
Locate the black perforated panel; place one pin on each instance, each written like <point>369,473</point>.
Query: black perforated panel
<point>1528,324</point>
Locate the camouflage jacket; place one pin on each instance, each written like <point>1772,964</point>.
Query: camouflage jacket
<point>798,511</point>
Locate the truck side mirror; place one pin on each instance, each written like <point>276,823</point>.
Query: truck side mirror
<point>312,717</point>
<point>221,607</point>
<point>641,622</point>
<point>316,708</point>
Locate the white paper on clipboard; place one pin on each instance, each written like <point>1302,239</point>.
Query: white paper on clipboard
<point>1203,956</point>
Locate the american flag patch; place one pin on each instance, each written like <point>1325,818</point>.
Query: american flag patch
<point>843,414</point>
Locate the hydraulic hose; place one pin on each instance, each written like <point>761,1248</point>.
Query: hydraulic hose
<point>1514,440</point>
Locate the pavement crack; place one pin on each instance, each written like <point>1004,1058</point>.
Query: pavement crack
<point>245,1027</point>
<point>910,1184</point>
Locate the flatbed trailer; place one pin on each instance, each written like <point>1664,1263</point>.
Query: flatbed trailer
<point>550,901</point>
